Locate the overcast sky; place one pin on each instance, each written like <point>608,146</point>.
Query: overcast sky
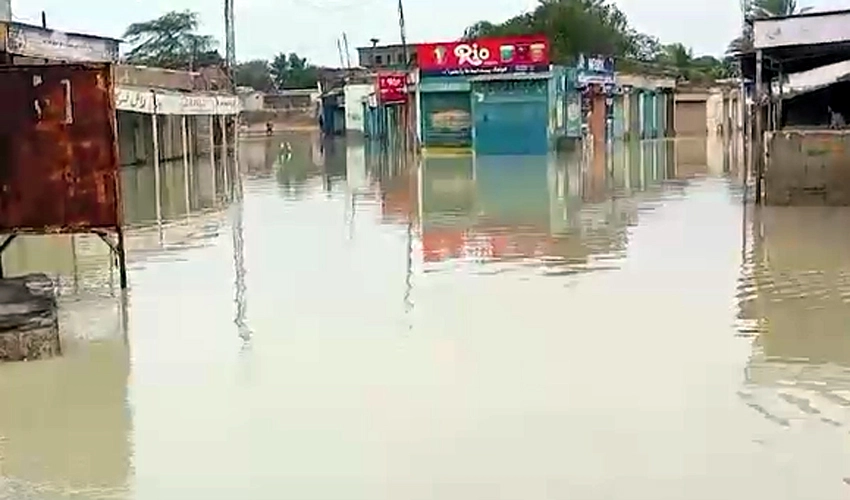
<point>312,27</point>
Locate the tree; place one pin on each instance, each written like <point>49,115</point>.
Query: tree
<point>171,41</point>
<point>760,9</point>
<point>289,71</point>
<point>576,27</point>
<point>255,74</point>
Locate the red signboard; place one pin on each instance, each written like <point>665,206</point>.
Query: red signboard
<point>484,56</point>
<point>392,87</point>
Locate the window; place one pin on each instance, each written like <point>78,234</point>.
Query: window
<point>379,60</point>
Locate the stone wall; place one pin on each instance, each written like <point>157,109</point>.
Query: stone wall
<point>807,167</point>
<point>29,327</point>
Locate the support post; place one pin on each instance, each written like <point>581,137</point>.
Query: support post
<point>156,179</point>
<point>224,165</point>
<point>185,137</point>
<point>758,130</point>
<point>122,258</point>
<point>779,101</point>
<point>212,157</point>
<point>3,246</point>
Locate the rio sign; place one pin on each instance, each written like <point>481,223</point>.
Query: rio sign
<point>484,56</point>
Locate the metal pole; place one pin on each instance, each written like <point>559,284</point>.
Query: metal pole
<point>402,33</point>
<point>758,130</point>
<point>185,137</point>
<point>122,258</point>
<point>4,244</point>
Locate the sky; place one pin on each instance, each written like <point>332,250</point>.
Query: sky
<point>312,27</point>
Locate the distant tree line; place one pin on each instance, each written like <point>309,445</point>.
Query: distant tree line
<point>573,27</point>
<point>598,27</point>
<point>172,41</point>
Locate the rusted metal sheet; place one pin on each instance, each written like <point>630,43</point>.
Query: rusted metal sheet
<point>58,150</point>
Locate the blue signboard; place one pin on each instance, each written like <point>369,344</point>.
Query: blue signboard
<point>597,70</point>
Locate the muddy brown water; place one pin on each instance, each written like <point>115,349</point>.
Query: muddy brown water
<point>611,327</point>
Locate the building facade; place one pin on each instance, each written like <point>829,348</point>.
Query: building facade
<point>496,96</point>
<point>385,56</point>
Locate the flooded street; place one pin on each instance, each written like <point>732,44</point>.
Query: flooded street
<point>617,328</point>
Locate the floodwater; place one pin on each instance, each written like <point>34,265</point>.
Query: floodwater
<point>604,325</point>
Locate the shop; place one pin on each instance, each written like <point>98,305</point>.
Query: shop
<point>493,95</point>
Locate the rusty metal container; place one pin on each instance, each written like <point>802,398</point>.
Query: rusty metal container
<point>58,150</point>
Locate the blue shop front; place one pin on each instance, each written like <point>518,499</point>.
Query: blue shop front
<point>495,96</point>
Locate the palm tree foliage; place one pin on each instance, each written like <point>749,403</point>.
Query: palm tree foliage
<point>760,9</point>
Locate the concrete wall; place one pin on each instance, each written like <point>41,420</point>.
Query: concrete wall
<point>251,101</point>
<point>141,76</point>
<point>354,96</point>
<point>807,167</point>
<point>644,81</point>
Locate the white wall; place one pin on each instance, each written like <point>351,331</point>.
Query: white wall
<point>355,94</point>
<point>805,30</point>
<point>251,101</point>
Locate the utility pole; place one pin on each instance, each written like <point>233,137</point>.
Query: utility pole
<point>402,32</point>
<point>347,51</point>
<point>339,49</point>
<point>229,42</point>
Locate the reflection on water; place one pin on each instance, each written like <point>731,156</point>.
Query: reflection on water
<point>607,323</point>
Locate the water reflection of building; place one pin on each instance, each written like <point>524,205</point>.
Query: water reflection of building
<point>794,300</point>
<point>797,291</point>
<point>516,207</point>
<point>186,209</point>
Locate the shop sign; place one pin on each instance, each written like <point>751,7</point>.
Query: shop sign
<point>392,87</point>
<point>484,56</point>
<point>595,70</point>
<point>33,41</point>
<point>146,101</point>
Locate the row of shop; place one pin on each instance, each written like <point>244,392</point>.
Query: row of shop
<point>503,97</point>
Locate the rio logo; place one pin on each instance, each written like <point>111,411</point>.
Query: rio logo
<point>471,54</point>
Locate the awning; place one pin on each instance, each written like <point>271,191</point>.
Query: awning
<point>815,79</point>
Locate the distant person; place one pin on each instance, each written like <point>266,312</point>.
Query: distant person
<point>269,128</point>
<point>836,120</point>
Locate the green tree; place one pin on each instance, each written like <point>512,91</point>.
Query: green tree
<point>171,41</point>
<point>576,27</point>
<point>290,71</point>
<point>255,74</point>
<point>760,9</point>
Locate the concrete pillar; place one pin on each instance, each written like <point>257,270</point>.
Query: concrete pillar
<point>6,11</point>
